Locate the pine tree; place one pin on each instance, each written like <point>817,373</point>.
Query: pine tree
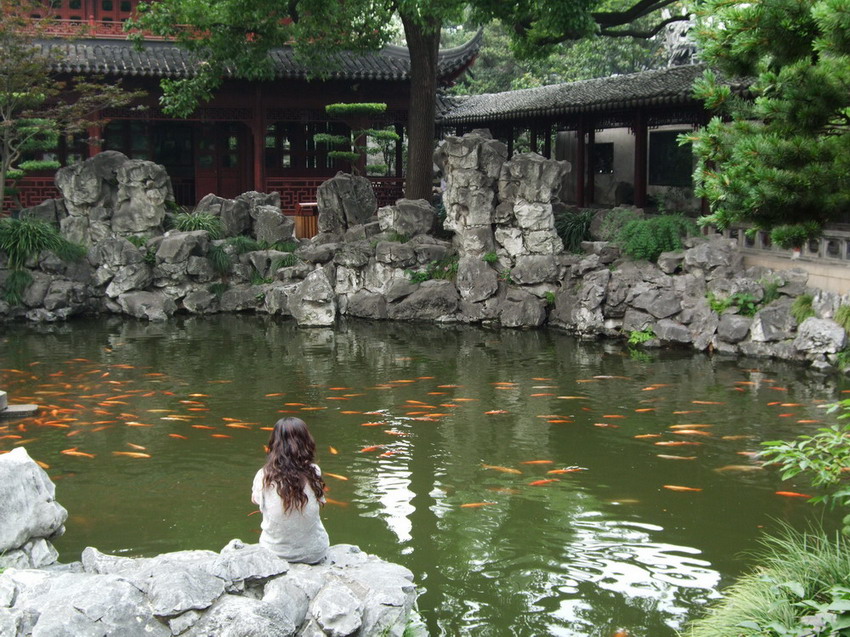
<point>780,158</point>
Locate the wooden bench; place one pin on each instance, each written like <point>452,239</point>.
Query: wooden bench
<point>306,219</point>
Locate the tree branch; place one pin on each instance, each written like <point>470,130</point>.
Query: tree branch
<point>638,10</point>
<point>643,34</point>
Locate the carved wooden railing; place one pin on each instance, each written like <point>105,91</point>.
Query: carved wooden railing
<point>33,190</point>
<point>833,246</point>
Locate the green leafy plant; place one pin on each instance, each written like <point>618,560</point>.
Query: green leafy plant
<point>137,240</point>
<point>285,262</point>
<point>771,290</point>
<point>842,317</point>
<point>718,304</point>
<point>242,244</point>
<point>638,337</point>
<point>842,359</point>
<point>549,298</point>
<point>505,275</point>
<point>802,308</point>
<point>191,221</point>
<point>441,269</point>
<point>218,288</point>
<point>219,259</point>
<point>490,257</point>
<point>398,237</point>
<point>257,278</point>
<point>746,303</point>
<point>357,116</point>
<point>24,239</point>
<point>648,238</point>
<point>800,578</point>
<point>574,227</point>
<point>150,257</point>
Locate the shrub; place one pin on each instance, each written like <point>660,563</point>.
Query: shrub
<point>573,228</point>
<point>638,337</point>
<point>842,317</point>
<point>802,308</point>
<point>794,236</point>
<point>191,221</point>
<point>771,290</point>
<point>799,574</point>
<point>550,298</point>
<point>285,262</point>
<point>614,221</point>
<point>137,240</point>
<point>648,238</point>
<point>490,257</point>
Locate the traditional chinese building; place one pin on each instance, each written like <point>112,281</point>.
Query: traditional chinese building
<point>251,135</point>
<point>620,134</point>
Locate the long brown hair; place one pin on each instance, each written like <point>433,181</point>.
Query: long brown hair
<point>289,464</point>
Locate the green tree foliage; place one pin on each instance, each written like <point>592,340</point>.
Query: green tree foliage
<point>35,108</point>
<point>497,69</point>
<point>781,161</point>
<point>648,238</point>
<point>355,148</point>
<point>231,37</point>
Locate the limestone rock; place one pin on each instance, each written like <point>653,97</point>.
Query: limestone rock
<point>28,507</point>
<point>394,254</point>
<point>143,190</point>
<point>433,300</point>
<point>733,328</point>
<point>153,306</point>
<point>272,226</point>
<point>129,277</point>
<point>177,247</point>
<point>365,304</point>
<point>476,280</point>
<point>337,610</point>
<point>235,214</point>
<point>344,201</point>
<point>532,269</point>
<point>313,303</point>
<point>820,336</point>
<point>521,309</point>
<point>773,322</point>
<point>408,217</point>
<point>672,331</point>
<point>49,210</point>
<point>236,616</point>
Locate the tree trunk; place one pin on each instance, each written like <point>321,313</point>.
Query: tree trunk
<point>423,41</point>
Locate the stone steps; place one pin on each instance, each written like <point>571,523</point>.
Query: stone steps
<point>15,411</point>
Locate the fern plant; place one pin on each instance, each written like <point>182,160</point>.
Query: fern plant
<point>648,238</point>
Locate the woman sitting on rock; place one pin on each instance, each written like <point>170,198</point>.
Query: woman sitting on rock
<point>289,489</point>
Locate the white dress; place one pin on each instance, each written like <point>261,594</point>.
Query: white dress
<point>296,536</point>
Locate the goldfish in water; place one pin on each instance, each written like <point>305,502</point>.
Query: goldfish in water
<point>333,451</point>
<point>131,454</point>
<point>676,487</point>
<point>567,470</point>
<point>502,469</point>
<point>74,452</point>
<point>666,457</point>
<point>792,494</point>
<point>537,462</point>
<point>370,448</point>
<point>538,483</point>
<point>475,505</point>
<point>335,475</point>
<point>178,436</point>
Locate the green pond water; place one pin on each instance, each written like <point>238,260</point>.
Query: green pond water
<point>595,550</point>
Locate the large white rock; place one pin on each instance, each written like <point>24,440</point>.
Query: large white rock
<point>28,507</point>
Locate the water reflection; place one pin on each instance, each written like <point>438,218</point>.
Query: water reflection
<point>585,554</point>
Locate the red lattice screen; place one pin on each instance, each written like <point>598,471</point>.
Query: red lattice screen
<point>301,189</point>
<point>31,192</point>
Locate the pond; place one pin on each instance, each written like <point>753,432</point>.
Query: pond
<point>522,476</point>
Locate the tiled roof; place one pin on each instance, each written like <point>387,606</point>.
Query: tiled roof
<point>165,59</point>
<point>669,87</point>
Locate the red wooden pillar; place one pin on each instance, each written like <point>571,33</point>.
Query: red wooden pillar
<point>258,132</point>
<point>590,196</point>
<point>547,141</point>
<point>399,151</point>
<point>640,158</point>
<point>95,144</point>
<point>581,152</point>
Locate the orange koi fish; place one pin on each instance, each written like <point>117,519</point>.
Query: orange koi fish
<point>502,469</point>
<point>181,437</point>
<point>137,447</point>
<point>475,505</point>
<point>371,448</point>
<point>41,464</point>
<point>541,394</point>
<point>644,410</point>
<point>201,427</point>
<point>572,397</point>
<point>676,487</point>
<point>386,454</point>
<point>676,443</point>
<point>612,416</point>
<point>688,426</point>
<point>642,436</point>
<point>131,454</point>
<point>74,452</point>
<point>691,432</point>
<point>666,457</point>
<point>567,470</point>
<point>336,502</point>
<point>740,437</point>
<point>559,421</point>
<point>739,468</point>
<point>494,412</point>
<point>707,402</point>
<point>792,494</point>
<point>220,436</point>
<point>335,475</point>
<point>333,451</point>
<point>538,483</point>
<point>689,411</point>
<point>537,462</point>
<point>807,421</point>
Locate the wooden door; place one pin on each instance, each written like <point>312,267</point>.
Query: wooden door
<point>223,154</point>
